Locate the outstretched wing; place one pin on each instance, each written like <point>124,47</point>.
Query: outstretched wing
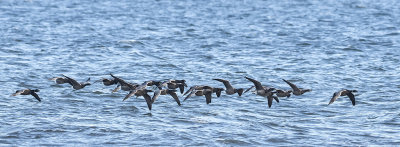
<point>256,83</point>
<point>276,99</point>
<point>181,88</point>
<point>351,96</point>
<point>240,91</point>
<point>71,81</point>
<point>294,87</point>
<point>270,99</point>
<point>226,83</point>
<point>190,90</point>
<point>219,91</point>
<point>248,89</point>
<point>148,100</point>
<point>155,96</point>
<point>335,96</point>
<point>36,96</point>
<point>173,94</point>
<point>191,94</point>
<point>119,80</point>
<point>117,88</point>
<point>208,96</point>
<point>130,94</point>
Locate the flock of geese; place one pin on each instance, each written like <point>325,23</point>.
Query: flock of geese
<point>168,87</point>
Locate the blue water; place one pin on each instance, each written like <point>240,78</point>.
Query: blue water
<point>323,45</point>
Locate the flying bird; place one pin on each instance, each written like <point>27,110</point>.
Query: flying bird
<point>296,91</point>
<point>229,89</point>
<point>28,92</point>
<point>261,91</point>
<point>77,85</point>
<point>344,92</point>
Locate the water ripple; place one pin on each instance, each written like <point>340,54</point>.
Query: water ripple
<point>325,46</point>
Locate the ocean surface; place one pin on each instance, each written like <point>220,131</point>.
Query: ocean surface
<point>324,45</point>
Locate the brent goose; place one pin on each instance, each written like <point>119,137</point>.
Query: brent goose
<point>344,92</point>
<point>296,91</point>
<point>261,91</point>
<point>28,92</point>
<point>229,89</point>
<point>77,85</point>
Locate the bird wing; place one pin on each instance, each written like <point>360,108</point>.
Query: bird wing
<point>173,94</point>
<point>191,94</point>
<point>294,87</point>
<point>117,88</point>
<point>155,96</point>
<point>335,96</point>
<point>276,99</point>
<point>181,88</point>
<point>148,100</point>
<point>190,90</point>
<point>226,83</point>
<point>208,96</point>
<point>71,81</point>
<point>240,91</point>
<point>248,89</point>
<point>36,96</point>
<point>143,85</point>
<point>119,80</point>
<point>219,92</point>
<point>270,99</point>
<point>256,83</point>
<point>129,95</point>
<point>351,96</point>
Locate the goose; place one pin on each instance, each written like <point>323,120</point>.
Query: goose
<point>261,91</point>
<point>229,89</point>
<point>77,85</point>
<point>344,92</point>
<point>251,87</point>
<point>28,92</point>
<point>296,91</point>
<point>123,84</point>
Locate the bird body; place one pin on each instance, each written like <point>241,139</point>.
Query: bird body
<point>166,92</point>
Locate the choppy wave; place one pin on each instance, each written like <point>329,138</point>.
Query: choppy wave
<point>326,46</point>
